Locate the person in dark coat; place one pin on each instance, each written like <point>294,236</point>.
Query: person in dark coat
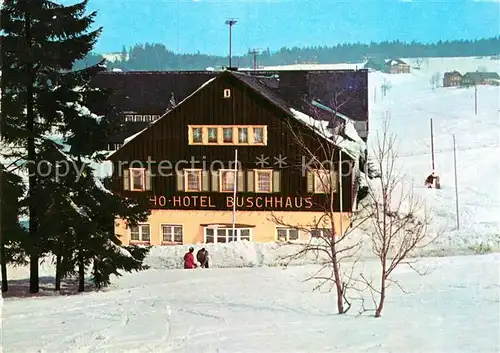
<point>430,180</point>
<point>189,259</point>
<point>202,257</point>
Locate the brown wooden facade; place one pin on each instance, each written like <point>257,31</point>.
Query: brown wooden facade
<point>166,143</point>
<point>143,96</point>
<point>452,79</point>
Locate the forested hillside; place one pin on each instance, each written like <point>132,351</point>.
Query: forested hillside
<point>154,56</point>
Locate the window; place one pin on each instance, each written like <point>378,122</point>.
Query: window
<point>197,135</point>
<point>263,181</point>
<point>322,181</point>
<point>244,234</point>
<point>225,235</point>
<point>209,235</point>
<point>212,135</point>
<point>242,135</point>
<point>227,134</point>
<point>137,179</point>
<point>321,233</point>
<point>114,146</point>
<point>222,236</point>
<point>192,180</point>
<point>172,233</point>
<point>140,233</point>
<point>258,135</point>
<point>227,180</point>
<point>287,234</point>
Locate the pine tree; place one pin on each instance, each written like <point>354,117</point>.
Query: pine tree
<point>41,41</point>
<point>45,102</point>
<point>13,235</point>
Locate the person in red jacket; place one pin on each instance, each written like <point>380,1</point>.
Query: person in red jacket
<point>189,259</point>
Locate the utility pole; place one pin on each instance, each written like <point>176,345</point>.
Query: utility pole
<point>254,53</point>
<point>475,99</point>
<point>432,146</point>
<point>230,22</point>
<point>456,182</point>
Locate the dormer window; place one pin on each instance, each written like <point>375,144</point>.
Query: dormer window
<point>242,135</point>
<point>197,135</point>
<point>212,135</point>
<point>258,135</point>
<point>227,134</point>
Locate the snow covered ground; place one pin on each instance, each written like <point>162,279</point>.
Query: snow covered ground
<point>267,308</point>
<point>455,308</point>
<point>411,103</point>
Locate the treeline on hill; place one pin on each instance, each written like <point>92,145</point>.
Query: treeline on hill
<point>159,57</point>
<point>49,146</point>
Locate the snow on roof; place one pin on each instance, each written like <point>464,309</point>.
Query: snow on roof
<point>130,138</point>
<point>84,111</point>
<point>354,148</point>
<point>324,107</point>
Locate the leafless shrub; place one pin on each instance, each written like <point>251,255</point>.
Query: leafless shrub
<point>330,243</point>
<point>398,221</point>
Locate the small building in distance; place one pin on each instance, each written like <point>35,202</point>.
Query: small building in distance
<point>480,78</point>
<point>452,79</point>
<point>389,66</point>
<point>396,66</point>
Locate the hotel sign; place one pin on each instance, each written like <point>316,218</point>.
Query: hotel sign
<point>227,202</point>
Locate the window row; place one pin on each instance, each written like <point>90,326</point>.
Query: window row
<point>114,146</point>
<point>173,234</point>
<point>227,135</point>
<point>225,180</point>
<point>141,118</point>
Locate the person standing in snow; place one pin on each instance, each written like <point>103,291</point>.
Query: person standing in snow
<point>202,257</point>
<point>429,182</point>
<point>189,259</point>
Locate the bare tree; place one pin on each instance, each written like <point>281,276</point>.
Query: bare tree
<point>435,80</point>
<point>418,63</point>
<point>398,220</point>
<point>330,244</point>
<point>385,87</point>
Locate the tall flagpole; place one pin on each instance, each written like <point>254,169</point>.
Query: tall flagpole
<point>340,193</point>
<point>235,188</point>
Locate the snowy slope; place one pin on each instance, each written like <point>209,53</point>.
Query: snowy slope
<point>455,309</point>
<point>411,103</point>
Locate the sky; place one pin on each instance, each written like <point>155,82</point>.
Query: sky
<point>188,26</point>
